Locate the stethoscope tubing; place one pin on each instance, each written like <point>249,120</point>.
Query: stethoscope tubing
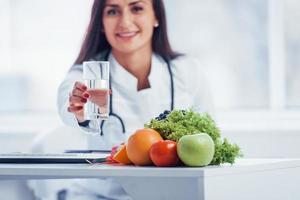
<point>111,113</point>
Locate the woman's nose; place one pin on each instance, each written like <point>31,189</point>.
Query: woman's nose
<point>125,20</point>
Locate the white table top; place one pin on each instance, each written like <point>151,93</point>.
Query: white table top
<point>58,171</point>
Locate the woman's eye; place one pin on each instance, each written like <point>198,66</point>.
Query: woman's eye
<point>111,12</point>
<point>137,9</point>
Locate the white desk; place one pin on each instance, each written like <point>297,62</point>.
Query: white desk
<point>247,179</point>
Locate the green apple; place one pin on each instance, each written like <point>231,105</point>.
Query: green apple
<point>196,150</point>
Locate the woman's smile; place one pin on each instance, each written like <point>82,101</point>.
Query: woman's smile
<point>127,35</point>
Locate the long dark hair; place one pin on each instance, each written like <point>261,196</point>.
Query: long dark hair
<point>95,40</point>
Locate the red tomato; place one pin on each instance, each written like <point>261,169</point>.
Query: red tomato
<point>164,153</point>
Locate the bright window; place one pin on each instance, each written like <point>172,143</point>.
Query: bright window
<point>41,41</point>
<point>230,39</point>
<point>292,10</point>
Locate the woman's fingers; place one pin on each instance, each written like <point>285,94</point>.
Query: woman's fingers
<point>77,94</point>
<point>97,96</point>
<point>80,86</point>
<point>77,100</point>
<point>80,95</point>
<point>75,109</point>
<point>97,92</point>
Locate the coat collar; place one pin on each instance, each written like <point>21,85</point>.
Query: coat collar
<point>124,80</point>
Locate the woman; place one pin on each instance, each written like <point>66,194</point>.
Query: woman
<point>147,76</point>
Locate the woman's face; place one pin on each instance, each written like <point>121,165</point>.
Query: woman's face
<point>128,24</point>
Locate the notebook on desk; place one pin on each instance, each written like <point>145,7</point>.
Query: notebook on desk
<point>31,158</point>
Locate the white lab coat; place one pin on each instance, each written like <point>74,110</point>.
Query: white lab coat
<point>138,107</point>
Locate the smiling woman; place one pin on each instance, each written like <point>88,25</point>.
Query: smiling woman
<point>129,27</point>
<point>147,77</point>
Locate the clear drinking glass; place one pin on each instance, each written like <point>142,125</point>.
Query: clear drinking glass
<point>96,77</point>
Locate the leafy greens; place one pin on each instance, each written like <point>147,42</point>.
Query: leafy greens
<point>173,125</point>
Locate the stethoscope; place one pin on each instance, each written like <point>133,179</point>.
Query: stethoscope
<point>111,111</point>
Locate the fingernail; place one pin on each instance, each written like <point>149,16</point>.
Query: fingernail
<point>86,95</point>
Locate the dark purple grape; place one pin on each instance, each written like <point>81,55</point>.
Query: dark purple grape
<point>166,112</point>
<point>163,115</point>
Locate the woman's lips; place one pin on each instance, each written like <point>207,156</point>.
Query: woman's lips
<point>127,35</point>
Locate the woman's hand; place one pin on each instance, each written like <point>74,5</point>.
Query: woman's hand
<point>78,97</point>
<point>98,96</point>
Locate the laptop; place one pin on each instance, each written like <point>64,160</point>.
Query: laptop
<point>31,158</point>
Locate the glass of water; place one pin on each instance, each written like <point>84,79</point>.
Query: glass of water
<point>96,77</point>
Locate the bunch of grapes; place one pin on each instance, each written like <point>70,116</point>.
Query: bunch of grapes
<point>163,115</point>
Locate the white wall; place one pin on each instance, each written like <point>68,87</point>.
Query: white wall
<point>230,39</point>
<point>46,37</point>
<point>5,39</point>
